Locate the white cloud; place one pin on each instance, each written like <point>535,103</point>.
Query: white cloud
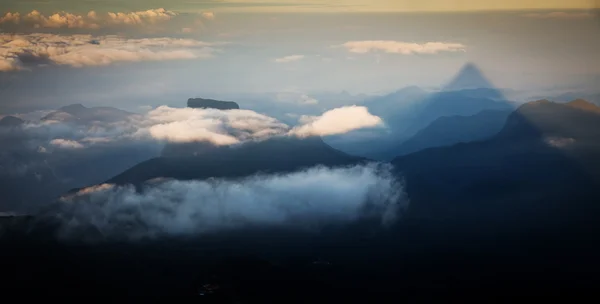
<point>91,20</point>
<point>66,144</point>
<point>215,126</point>
<point>296,97</point>
<point>209,15</point>
<point>301,200</point>
<point>182,125</point>
<point>559,142</point>
<point>337,121</point>
<point>87,50</point>
<point>151,16</point>
<point>290,58</point>
<point>559,15</point>
<point>404,48</point>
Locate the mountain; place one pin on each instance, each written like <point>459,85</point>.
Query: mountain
<point>408,111</point>
<point>450,130</point>
<point>80,113</point>
<point>544,157</point>
<point>593,98</point>
<point>279,154</point>
<point>388,104</point>
<point>454,103</point>
<point>469,77</point>
<point>201,103</point>
<point>584,105</point>
<point>10,121</point>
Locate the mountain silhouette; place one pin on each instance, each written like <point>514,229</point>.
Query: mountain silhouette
<point>469,77</point>
<point>584,105</point>
<point>544,157</point>
<point>450,130</point>
<point>275,155</point>
<point>10,121</point>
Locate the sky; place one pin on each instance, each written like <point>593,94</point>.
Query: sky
<point>135,54</point>
<point>295,5</point>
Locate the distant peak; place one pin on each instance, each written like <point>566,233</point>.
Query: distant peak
<point>469,77</point>
<point>540,101</point>
<point>580,102</point>
<point>10,121</point>
<point>583,105</point>
<point>74,106</point>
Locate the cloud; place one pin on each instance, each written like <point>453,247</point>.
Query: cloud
<point>151,16</point>
<point>91,20</point>
<point>559,15</point>
<point>290,58</point>
<point>65,144</point>
<point>301,200</point>
<point>209,15</point>
<point>210,125</point>
<point>337,121</point>
<point>404,48</point>
<point>559,142</point>
<point>296,97</point>
<point>184,125</point>
<point>87,50</point>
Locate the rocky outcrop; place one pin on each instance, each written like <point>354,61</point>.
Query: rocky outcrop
<point>201,103</point>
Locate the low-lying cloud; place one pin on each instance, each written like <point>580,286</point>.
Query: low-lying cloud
<point>209,125</point>
<point>18,52</point>
<point>308,199</point>
<point>400,47</point>
<point>185,125</point>
<point>337,121</point>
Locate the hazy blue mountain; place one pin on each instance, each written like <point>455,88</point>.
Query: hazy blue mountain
<point>449,130</point>
<point>411,109</point>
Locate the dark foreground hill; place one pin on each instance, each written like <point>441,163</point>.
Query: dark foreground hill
<point>279,154</point>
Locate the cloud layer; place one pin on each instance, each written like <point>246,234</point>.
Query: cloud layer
<point>184,125</point>
<point>17,52</point>
<point>404,48</point>
<point>92,20</point>
<point>307,199</point>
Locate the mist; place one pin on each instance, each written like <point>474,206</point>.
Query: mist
<point>308,199</point>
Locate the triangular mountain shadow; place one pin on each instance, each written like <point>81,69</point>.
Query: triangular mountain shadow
<point>469,77</point>
<point>470,100</point>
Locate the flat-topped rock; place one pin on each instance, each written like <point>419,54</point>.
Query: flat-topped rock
<point>201,103</point>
